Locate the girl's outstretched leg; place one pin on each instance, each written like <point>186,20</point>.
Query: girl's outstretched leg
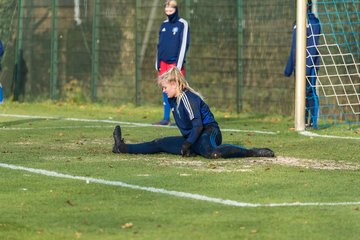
<point>167,145</point>
<point>233,151</point>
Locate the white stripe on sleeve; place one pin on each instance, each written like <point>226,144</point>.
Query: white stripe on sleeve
<point>183,44</point>
<point>187,105</point>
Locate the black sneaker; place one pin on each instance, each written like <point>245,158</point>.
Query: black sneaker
<point>262,152</point>
<point>117,139</point>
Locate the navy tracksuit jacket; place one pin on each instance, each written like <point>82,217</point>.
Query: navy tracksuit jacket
<point>174,40</point>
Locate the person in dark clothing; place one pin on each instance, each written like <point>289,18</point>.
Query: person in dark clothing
<point>1,49</point>
<point>19,77</point>
<point>313,31</point>
<point>1,89</point>
<point>200,132</point>
<point>174,40</point>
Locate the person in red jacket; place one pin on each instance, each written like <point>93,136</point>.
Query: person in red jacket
<point>174,38</point>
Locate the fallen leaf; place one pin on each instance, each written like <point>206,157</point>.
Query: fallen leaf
<point>78,235</point>
<point>69,202</point>
<point>127,225</point>
<point>212,166</point>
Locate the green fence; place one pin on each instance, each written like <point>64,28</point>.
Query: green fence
<point>104,50</point>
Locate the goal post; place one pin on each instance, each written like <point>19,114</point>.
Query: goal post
<point>300,76</point>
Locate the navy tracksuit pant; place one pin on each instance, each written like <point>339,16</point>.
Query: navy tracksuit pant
<point>208,143</point>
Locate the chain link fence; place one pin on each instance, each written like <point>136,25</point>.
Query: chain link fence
<point>92,50</point>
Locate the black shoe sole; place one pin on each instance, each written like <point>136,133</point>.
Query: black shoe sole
<point>117,139</point>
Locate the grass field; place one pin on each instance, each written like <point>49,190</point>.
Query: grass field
<point>59,179</point>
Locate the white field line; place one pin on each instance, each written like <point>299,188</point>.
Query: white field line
<point>119,122</point>
<point>311,134</point>
<point>304,133</point>
<point>47,128</point>
<point>170,192</point>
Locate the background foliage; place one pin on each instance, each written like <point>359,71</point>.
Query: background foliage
<point>237,53</point>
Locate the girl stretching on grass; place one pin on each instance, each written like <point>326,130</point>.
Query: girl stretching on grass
<point>200,132</point>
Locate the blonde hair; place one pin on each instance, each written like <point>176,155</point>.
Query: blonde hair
<point>170,3</point>
<point>174,75</point>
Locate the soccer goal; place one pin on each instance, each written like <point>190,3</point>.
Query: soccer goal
<point>337,72</point>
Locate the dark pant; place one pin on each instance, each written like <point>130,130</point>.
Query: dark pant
<point>312,100</point>
<point>208,145</point>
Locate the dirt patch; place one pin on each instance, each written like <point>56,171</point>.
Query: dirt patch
<point>248,164</point>
<point>308,163</point>
<point>213,166</point>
